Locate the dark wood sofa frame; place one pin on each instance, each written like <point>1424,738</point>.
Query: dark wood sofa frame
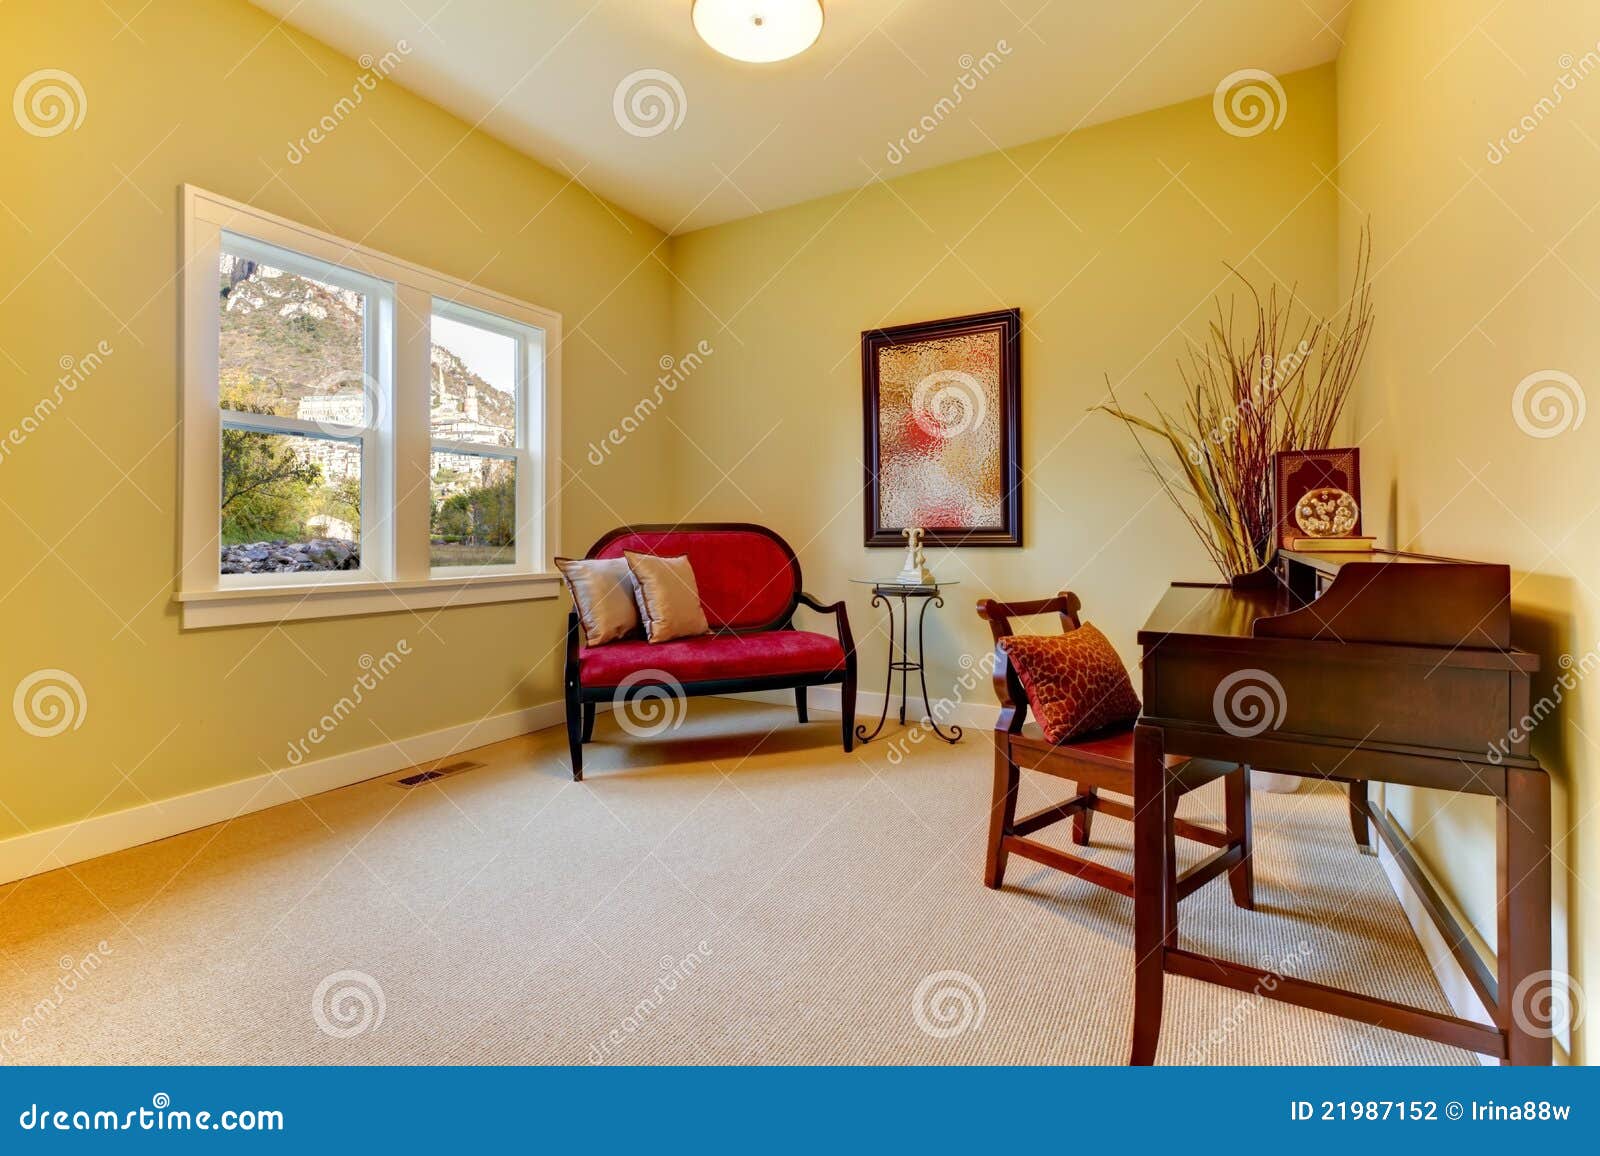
<point>582,701</point>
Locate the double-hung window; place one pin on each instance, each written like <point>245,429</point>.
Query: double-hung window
<point>479,436</point>
<point>360,434</point>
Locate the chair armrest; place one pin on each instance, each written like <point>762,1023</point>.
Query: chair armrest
<point>1008,689</point>
<point>1007,686</point>
<point>574,634</point>
<point>841,616</point>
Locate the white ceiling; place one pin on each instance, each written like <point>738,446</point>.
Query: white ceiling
<point>542,75</point>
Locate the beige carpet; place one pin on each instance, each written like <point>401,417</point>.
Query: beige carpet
<point>715,897</point>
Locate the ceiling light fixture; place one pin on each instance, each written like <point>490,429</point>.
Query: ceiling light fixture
<point>758,31</point>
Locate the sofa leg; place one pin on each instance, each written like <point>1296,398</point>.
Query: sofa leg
<point>588,721</point>
<point>847,707</point>
<point>575,714</point>
<point>800,703</point>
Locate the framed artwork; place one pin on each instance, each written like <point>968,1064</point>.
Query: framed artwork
<point>1297,472</point>
<point>943,429</point>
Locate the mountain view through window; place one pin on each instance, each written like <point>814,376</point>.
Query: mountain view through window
<point>292,346</point>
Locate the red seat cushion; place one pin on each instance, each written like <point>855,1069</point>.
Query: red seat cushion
<point>747,579</point>
<point>712,656</point>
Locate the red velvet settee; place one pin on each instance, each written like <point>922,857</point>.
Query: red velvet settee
<point>749,581</point>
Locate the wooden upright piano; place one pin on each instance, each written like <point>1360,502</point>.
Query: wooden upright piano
<point>1353,667</point>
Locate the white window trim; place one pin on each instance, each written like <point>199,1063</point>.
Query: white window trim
<point>376,468</point>
<point>395,571</point>
<point>529,361</point>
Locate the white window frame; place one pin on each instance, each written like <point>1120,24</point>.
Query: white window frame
<point>378,325</point>
<point>395,572</point>
<point>530,345</point>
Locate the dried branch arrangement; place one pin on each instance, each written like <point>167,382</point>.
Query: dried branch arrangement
<point>1278,382</point>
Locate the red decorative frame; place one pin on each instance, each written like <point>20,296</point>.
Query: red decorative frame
<point>1296,473</point>
<point>1009,323</point>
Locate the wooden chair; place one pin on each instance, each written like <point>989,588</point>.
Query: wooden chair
<point>1099,762</point>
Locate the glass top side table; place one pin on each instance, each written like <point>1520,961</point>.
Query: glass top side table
<point>883,593</point>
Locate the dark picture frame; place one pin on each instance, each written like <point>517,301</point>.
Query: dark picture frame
<point>1007,323</point>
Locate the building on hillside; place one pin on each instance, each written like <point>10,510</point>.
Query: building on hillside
<point>459,418</point>
<point>339,459</point>
<point>453,417</point>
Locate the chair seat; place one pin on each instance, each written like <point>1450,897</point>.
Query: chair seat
<point>1108,748</point>
<point>1113,750</point>
<point>713,656</point>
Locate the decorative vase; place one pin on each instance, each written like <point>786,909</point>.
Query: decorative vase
<point>1265,578</point>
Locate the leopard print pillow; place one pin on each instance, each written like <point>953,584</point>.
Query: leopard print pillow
<point>1075,681</point>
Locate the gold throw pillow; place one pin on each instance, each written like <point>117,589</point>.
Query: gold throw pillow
<point>602,594</point>
<point>669,597</point>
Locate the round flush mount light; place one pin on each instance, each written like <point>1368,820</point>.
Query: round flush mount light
<point>758,31</point>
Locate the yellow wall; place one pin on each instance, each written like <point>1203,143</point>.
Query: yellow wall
<point>1488,250</point>
<point>1111,241</point>
<point>212,92</point>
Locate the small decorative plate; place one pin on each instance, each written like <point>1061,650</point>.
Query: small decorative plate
<point>1326,513</point>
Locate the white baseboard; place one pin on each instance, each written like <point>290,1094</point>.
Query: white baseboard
<point>29,854</point>
<point>969,716</point>
<point>1458,990</point>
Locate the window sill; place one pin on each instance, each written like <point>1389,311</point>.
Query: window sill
<point>291,602</point>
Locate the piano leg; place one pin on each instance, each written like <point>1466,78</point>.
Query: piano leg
<point>1242,877</point>
<point>1526,985</point>
<point>1152,840</point>
<point>1358,816</point>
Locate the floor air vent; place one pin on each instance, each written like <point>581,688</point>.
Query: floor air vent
<point>435,773</point>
